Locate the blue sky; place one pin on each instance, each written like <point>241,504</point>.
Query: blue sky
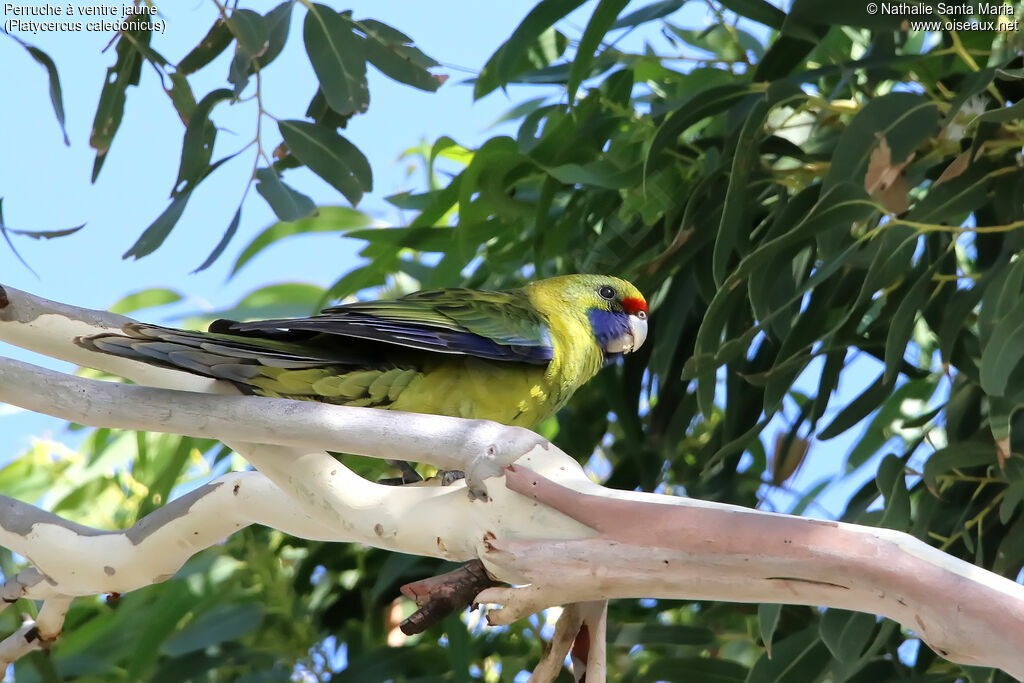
<point>45,185</point>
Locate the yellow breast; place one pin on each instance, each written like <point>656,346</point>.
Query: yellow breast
<point>509,393</point>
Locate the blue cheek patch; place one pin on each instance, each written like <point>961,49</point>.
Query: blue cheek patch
<point>607,326</point>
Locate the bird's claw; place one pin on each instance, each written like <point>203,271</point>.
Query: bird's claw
<point>499,446</point>
<point>449,477</point>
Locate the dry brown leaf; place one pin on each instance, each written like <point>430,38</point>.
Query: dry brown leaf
<point>896,197</point>
<point>1003,452</point>
<point>955,168</point>
<point>787,460</point>
<point>884,179</point>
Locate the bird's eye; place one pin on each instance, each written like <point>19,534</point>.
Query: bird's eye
<point>607,292</point>
<point>642,315</point>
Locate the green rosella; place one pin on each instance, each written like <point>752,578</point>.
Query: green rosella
<point>512,356</point>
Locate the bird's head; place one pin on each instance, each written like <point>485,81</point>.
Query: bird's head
<point>615,309</point>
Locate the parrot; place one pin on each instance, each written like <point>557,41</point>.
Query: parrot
<point>514,356</point>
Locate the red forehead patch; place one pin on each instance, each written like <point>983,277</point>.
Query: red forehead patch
<point>633,304</point>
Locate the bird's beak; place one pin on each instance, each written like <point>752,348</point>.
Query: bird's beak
<point>632,340</point>
<point>638,330</point>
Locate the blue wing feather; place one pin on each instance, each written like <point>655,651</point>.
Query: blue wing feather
<point>493,325</point>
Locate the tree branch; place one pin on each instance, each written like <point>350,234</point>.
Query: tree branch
<point>711,552</point>
<point>573,541</point>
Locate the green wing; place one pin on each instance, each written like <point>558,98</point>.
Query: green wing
<point>492,325</point>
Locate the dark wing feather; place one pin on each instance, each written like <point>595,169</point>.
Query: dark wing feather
<point>493,325</point>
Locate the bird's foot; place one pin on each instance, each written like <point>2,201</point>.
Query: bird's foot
<point>449,477</point>
<point>408,474</point>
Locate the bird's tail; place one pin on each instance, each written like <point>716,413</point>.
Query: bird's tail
<point>234,358</point>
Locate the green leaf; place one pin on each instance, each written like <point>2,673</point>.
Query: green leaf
<point>209,48</point>
<point>889,255</point>
<point>181,95</point>
<point>338,58</point>
<point>223,244</point>
<point>890,413</point>
<point>1008,559</point>
<point>709,339</point>
<point>162,618</point>
<point>758,10</point>
<point>125,72</point>
<point>597,174</point>
<point>1003,352</point>
<point>330,156</point>
<point>388,34</point>
<point>1001,411</point>
<point>284,300</point>
<point>425,239</point>
<point>974,83</point>
<point>600,23</point>
<point>1010,74</point>
<point>858,409</point>
<point>252,34</point>
<point>396,569</point>
<point>959,309</point>
<point>328,219</point>
<point>735,208</point>
<point>279,21</point>
<point>250,29</point>
<point>783,55</point>
<point>56,98</point>
<point>950,203</point>
<point>460,652</point>
<point>321,113</point>
<point>147,298</point>
<point>153,236</point>
<point>768,620</point>
<point>697,670</point>
<point>696,108</point>
<point>1012,500</point>
<point>27,479</point>
<point>892,484</point>
<point>1000,297</point>
<point>382,664</point>
<point>45,234</point>
<point>502,65</point>
<point>905,119</point>
<point>357,280</point>
<point>798,658</point>
<point>824,12</point>
<point>197,144</point>
<point>728,44</point>
<point>901,326</point>
<point>288,204</point>
<point>7,238</point>
<point>1003,114</point>
<point>650,634</point>
<point>171,467</point>
<point>846,634</point>
<point>681,299</point>
<point>956,456</point>
<point>393,54</point>
<point>827,384</point>
<point>217,625</point>
<point>655,10</point>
